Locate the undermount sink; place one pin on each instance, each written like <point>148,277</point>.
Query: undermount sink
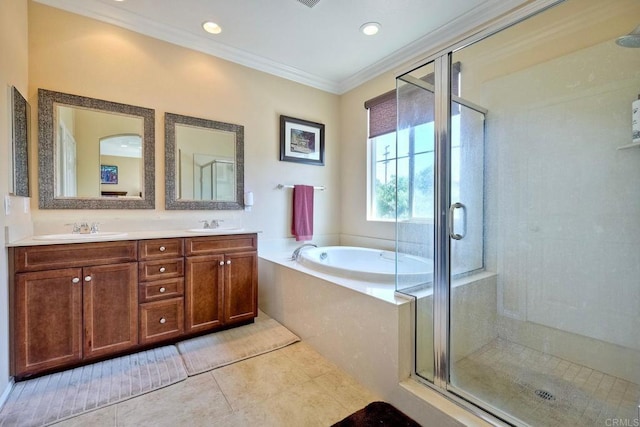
<point>78,236</point>
<point>218,230</point>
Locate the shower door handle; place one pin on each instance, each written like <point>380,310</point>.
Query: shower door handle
<point>452,213</point>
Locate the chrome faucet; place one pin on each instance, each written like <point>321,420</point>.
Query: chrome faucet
<point>75,229</point>
<point>296,254</point>
<point>215,223</point>
<point>84,228</point>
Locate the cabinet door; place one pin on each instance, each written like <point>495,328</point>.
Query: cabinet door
<point>110,309</point>
<point>240,287</point>
<point>48,320</point>
<point>203,292</point>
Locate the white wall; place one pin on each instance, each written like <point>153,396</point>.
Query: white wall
<point>13,72</point>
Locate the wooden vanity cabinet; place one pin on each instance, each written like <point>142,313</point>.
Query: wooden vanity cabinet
<point>73,303</point>
<point>221,281</point>
<point>62,316</point>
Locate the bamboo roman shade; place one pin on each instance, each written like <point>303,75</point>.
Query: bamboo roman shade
<point>416,105</point>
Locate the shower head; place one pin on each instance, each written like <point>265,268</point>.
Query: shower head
<point>630,40</point>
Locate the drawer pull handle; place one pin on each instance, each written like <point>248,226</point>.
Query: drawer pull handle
<point>162,249</point>
<point>228,262</point>
<point>163,290</point>
<point>163,320</point>
<point>75,280</point>
<point>87,279</point>
<point>162,269</point>
<point>221,262</point>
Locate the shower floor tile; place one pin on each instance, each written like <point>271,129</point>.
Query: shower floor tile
<point>508,375</point>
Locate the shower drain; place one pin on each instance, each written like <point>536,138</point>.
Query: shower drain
<point>545,395</point>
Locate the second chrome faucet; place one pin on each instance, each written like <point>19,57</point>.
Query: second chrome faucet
<point>215,223</point>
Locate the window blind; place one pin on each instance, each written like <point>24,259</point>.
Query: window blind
<point>415,104</point>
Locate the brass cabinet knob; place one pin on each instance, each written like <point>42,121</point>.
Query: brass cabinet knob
<point>163,320</point>
<point>163,290</point>
<point>162,269</point>
<point>162,249</point>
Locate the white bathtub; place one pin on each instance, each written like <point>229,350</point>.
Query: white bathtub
<point>365,264</point>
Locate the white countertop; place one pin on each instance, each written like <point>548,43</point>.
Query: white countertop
<point>130,235</point>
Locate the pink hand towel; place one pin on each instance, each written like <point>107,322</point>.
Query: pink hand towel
<point>302,224</point>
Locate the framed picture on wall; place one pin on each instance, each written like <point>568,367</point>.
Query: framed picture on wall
<point>301,141</point>
<point>108,174</point>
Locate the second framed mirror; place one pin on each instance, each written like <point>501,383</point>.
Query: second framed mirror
<point>204,163</point>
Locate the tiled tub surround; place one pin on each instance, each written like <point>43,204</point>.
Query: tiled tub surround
<point>364,328</point>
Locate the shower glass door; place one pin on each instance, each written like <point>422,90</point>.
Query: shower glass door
<point>532,314</point>
<point>546,331</point>
<point>415,202</point>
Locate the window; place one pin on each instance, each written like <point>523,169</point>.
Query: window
<point>407,163</point>
<point>402,155</point>
<point>413,165</point>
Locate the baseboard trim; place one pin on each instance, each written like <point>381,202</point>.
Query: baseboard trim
<point>5,394</point>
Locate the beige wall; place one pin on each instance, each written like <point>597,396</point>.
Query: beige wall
<point>353,135</point>
<point>13,72</point>
<point>77,55</point>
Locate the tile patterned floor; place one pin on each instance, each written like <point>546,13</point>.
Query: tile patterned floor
<point>506,375</point>
<point>293,386</point>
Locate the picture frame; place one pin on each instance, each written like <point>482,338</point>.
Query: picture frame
<point>108,174</point>
<point>301,141</point>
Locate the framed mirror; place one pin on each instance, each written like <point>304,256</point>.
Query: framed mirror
<point>204,163</point>
<point>21,117</point>
<point>94,154</point>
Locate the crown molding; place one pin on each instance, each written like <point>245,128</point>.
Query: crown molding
<point>433,42</point>
<point>426,45</point>
<point>110,14</point>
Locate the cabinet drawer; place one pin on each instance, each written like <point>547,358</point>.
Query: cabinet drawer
<point>161,289</point>
<point>220,244</point>
<point>160,248</point>
<point>49,257</point>
<point>160,269</point>
<point>161,320</point>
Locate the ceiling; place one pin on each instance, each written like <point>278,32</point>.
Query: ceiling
<point>320,46</point>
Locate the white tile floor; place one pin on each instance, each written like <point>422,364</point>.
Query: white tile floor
<point>507,375</point>
<point>293,386</point>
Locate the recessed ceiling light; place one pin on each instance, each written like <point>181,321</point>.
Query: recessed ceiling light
<point>370,28</point>
<point>211,27</point>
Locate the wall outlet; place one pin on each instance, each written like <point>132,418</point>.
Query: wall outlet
<point>27,205</point>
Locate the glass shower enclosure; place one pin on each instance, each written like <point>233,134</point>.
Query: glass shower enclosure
<point>522,187</point>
